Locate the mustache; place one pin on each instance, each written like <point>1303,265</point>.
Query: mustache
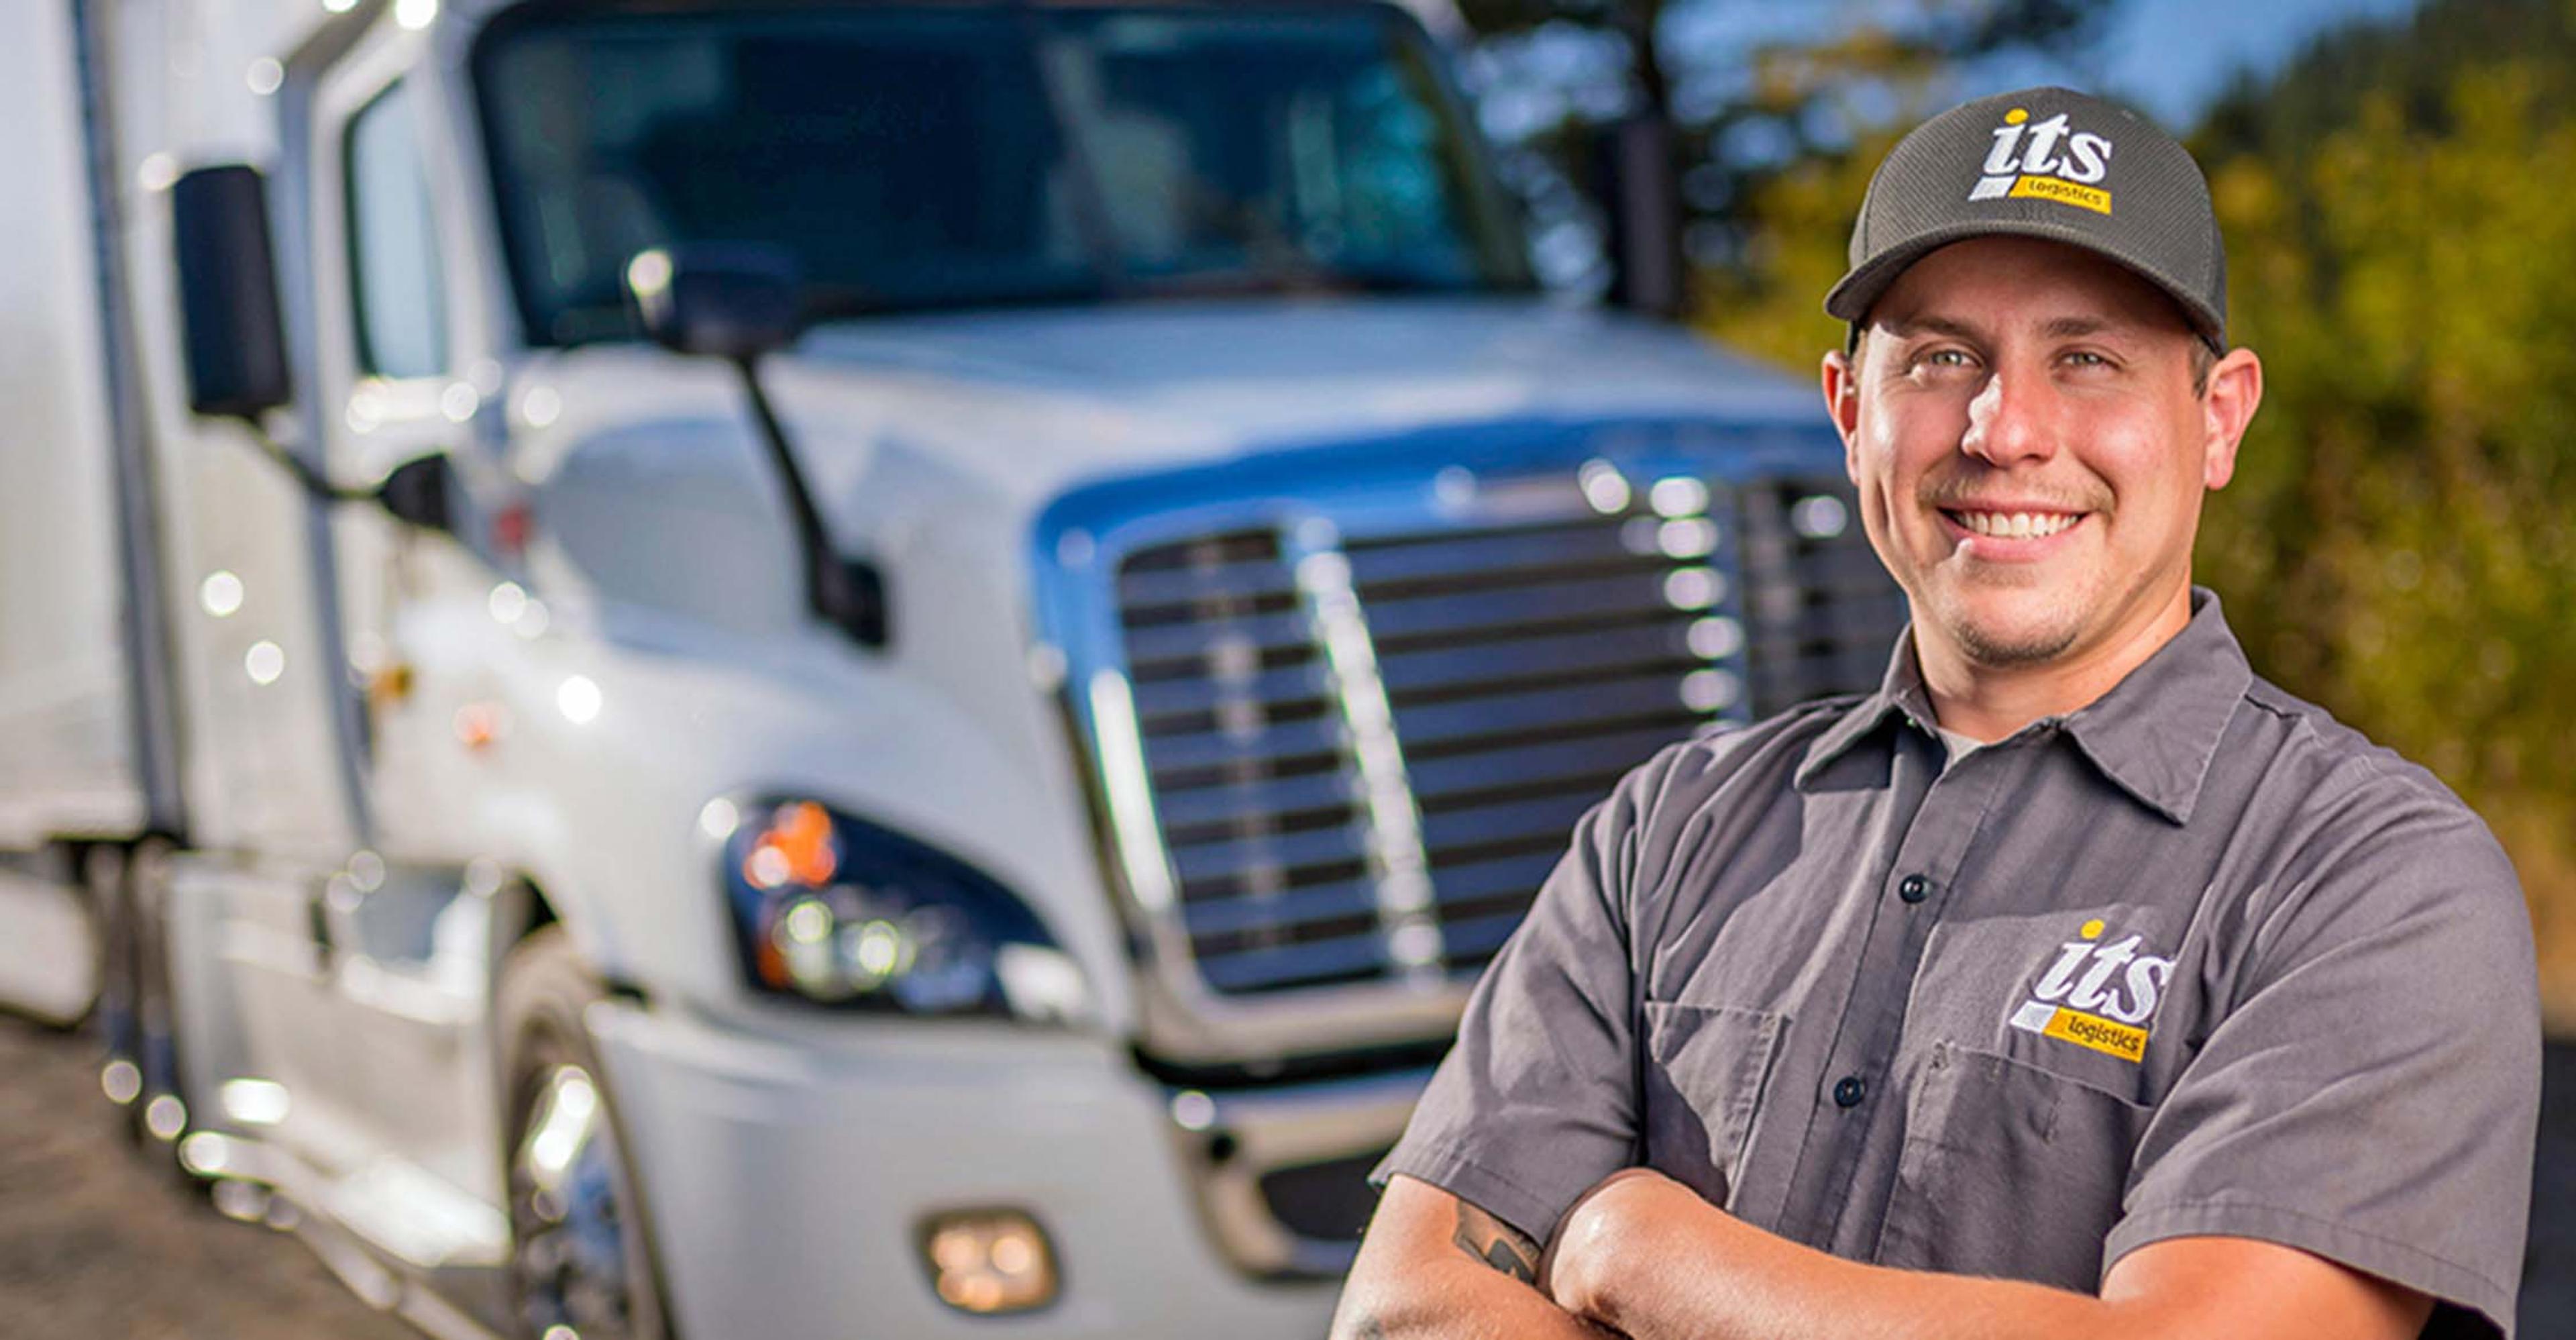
<point>1957,494</point>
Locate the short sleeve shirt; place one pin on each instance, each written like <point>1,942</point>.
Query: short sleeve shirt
<point>2192,960</point>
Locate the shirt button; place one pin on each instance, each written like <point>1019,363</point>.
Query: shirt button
<point>1849,1090</point>
<point>1914,889</point>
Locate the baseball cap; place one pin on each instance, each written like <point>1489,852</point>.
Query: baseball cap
<point>2049,163</point>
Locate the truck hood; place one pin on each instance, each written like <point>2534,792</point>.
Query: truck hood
<point>932,443</point>
<point>1029,403</point>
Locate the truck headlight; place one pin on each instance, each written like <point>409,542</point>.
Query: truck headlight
<point>840,912</point>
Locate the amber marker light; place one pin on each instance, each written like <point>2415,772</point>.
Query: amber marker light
<point>478,725</point>
<point>989,1261</point>
<point>389,686</point>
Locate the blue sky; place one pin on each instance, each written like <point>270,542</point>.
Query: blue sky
<point>2170,58</point>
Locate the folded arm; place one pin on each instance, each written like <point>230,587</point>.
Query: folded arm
<point>1645,1255</point>
<point>1433,1265</point>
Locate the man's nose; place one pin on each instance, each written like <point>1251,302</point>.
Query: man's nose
<point>2011,420</point>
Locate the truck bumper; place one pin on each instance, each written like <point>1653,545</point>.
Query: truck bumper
<point>788,1178</point>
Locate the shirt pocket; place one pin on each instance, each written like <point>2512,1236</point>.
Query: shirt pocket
<point>1705,1068</point>
<point>2008,1171</point>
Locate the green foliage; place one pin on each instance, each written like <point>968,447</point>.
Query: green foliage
<point>2400,541</point>
<point>1772,305</point>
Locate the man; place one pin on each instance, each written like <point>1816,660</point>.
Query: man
<point>2076,984</point>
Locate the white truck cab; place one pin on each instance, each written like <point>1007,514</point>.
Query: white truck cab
<point>839,669</point>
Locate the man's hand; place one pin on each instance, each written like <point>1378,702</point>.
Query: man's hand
<point>1641,1253</point>
<point>1618,1227</point>
<point>1435,1265</point>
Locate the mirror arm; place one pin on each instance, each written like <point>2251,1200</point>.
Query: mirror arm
<point>426,512</point>
<point>847,595</point>
<point>316,485</point>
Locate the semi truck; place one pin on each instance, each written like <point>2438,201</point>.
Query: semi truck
<point>825,669</point>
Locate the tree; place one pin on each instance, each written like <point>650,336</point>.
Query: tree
<point>2400,541</point>
<point>1755,90</point>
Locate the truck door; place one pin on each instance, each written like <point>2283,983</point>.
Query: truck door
<point>410,921</point>
<point>272,811</point>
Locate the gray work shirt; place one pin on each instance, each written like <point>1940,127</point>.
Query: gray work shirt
<point>2192,960</point>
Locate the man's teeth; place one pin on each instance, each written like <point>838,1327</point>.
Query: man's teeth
<point>2016,525</point>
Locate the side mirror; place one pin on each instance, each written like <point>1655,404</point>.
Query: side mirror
<point>235,339</point>
<point>418,492</point>
<point>738,301</point>
<point>731,300</point>
<point>1633,175</point>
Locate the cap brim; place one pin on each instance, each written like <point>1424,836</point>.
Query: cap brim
<point>1859,291</point>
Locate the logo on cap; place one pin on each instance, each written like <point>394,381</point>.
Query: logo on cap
<point>2043,161</point>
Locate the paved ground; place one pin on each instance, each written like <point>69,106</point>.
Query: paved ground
<point>93,1245</point>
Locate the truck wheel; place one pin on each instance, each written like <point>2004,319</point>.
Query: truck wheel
<point>581,1257</point>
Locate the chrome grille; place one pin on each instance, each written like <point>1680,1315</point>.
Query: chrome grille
<point>1246,752</point>
<point>1821,610</point>
<point>1366,716</point>
<point>1529,666</point>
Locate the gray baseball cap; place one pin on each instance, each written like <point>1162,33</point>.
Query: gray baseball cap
<point>2049,163</point>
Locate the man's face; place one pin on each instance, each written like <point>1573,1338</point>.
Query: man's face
<point>2030,449</point>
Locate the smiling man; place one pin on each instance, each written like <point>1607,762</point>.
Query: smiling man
<point>2077,983</point>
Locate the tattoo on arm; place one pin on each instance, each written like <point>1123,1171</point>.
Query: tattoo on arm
<point>1497,1244</point>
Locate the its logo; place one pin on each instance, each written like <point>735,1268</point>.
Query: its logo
<point>2096,995</point>
<point>2044,162</point>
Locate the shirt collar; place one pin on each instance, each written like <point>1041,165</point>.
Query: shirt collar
<point>1900,693</point>
<point>2154,734</point>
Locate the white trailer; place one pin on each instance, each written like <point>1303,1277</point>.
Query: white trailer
<point>825,670</point>
<point>71,765</point>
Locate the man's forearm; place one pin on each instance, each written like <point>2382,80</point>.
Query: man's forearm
<point>1646,1256</point>
<point>1459,1307</point>
<point>1712,1277</point>
<point>1435,1267</point>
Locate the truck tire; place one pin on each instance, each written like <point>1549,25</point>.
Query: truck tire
<point>581,1253</point>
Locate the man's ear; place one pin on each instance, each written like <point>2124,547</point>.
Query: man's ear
<point>1842,404</point>
<point>2235,391</point>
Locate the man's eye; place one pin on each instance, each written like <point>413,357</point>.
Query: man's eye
<point>2086,358</point>
<point>1946,358</point>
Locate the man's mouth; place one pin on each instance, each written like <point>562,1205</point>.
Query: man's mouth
<point>2012,525</point>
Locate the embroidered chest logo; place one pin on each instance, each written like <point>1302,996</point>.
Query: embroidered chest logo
<point>2097,995</point>
<point>2045,162</point>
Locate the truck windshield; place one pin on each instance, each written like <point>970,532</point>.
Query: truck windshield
<point>952,155</point>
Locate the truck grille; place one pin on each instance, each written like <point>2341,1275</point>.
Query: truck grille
<point>1824,611</point>
<point>1367,732</point>
<point>1329,1201</point>
<point>1249,762</point>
